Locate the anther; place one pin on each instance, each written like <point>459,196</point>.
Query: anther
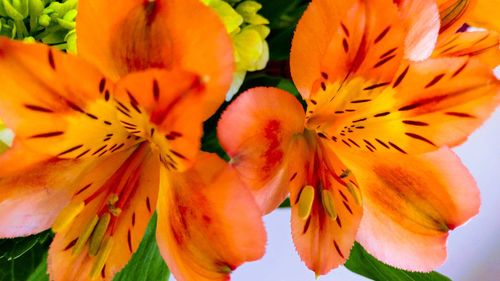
<point>111,205</point>
<point>67,215</point>
<point>328,203</point>
<point>305,201</point>
<point>84,236</point>
<point>98,234</point>
<point>102,257</point>
<point>345,174</point>
<point>354,192</point>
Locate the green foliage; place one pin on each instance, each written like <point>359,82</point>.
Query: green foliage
<point>20,257</point>
<point>364,264</point>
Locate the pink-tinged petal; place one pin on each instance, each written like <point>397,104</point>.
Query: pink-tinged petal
<point>410,203</point>
<point>422,19</point>
<point>31,200</point>
<point>208,222</point>
<point>256,130</point>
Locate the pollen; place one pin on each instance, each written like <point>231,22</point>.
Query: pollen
<point>67,215</point>
<point>102,257</point>
<point>328,203</point>
<point>111,205</point>
<point>85,235</point>
<point>355,193</point>
<point>305,201</point>
<point>98,234</point>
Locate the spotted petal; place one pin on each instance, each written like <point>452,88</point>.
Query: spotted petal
<point>408,212</point>
<point>119,197</point>
<point>324,232</point>
<point>483,45</point>
<point>165,108</point>
<point>57,104</point>
<point>170,34</point>
<point>208,222</point>
<point>342,40</point>
<point>256,130</point>
<point>427,105</point>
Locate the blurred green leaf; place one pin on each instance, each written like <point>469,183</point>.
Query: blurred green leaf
<point>364,264</point>
<point>146,263</point>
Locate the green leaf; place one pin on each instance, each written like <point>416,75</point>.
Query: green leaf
<point>20,257</point>
<point>146,263</point>
<point>364,264</point>
<point>40,272</point>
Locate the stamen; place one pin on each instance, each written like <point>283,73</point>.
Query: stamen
<point>328,203</point>
<point>305,201</point>
<point>102,257</point>
<point>345,174</point>
<point>98,234</point>
<point>67,215</point>
<point>84,236</point>
<point>225,269</point>
<point>111,205</point>
<point>355,193</point>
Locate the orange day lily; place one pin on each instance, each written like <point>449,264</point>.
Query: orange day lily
<point>368,159</point>
<point>105,138</point>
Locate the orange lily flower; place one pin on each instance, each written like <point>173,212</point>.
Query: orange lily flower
<point>105,138</point>
<point>368,159</point>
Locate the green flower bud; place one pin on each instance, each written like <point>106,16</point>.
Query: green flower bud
<point>248,9</point>
<point>232,20</point>
<point>44,20</point>
<point>70,38</point>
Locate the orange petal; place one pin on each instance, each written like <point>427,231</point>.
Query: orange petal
<point>453,15</point>
<point>256,130</point>
<point>168,34</point>
<point>136,173</point>
<point>428,104</point>
<point>208,222</point>
<point>164,107</point>
<point>422,19</point>
<point>408,212</point>
<point>324,235</point>
<point>341,40</point>
<point>9,160</point>
<point>485,15</point>
<point>30,201</point>
<point>56,103</point>
<point>481,44</point>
